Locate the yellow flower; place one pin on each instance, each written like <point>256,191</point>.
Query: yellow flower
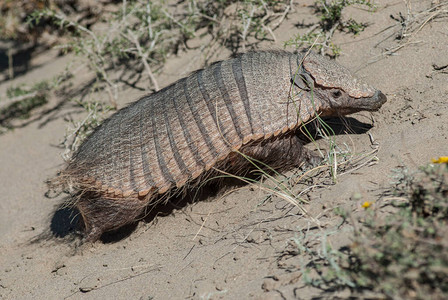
<point>367,204</point>
<point>440,160</point>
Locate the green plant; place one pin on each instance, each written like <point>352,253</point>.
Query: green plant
<point>237,24</point>
<point>330,12</point>
<point>138,34</point>
<point>21,100</point>
<point>401,255</point>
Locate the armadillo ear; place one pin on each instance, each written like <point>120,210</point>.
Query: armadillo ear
<point>303,81</point>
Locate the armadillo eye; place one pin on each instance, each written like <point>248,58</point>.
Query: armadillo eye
<point>336,94</point>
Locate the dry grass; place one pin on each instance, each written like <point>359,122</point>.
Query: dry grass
<point>408,26</point>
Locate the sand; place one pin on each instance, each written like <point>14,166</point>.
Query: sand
<point>230,246</point>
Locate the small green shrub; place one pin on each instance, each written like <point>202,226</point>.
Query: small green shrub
<point>21,100</point>
<point>330,13</point>
<point>27,98</point>
<point>398,256</point>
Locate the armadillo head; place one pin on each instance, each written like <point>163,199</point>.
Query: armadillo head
<point>339,91</point>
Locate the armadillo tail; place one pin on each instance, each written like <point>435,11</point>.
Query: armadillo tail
<point>101,214</point>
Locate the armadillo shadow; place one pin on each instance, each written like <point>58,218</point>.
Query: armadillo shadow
<point>340,126</point>
<point>66,221</point>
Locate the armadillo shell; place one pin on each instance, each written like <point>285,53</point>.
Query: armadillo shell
<point>171,137</point>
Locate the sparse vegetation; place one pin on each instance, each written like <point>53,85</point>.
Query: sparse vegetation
<point>330,12</point>
<point>401,255</point>
<point>21,100</point>
<point>392,246</point>
<point>234,23</point>
<point>14,15</point>
<point>408,25</point>
<point>136,37</point>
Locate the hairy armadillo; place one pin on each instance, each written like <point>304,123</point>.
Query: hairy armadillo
<point>251,105</point>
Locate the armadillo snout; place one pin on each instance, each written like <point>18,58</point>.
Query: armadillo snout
<point>380,98</point>
<point>375,102</point>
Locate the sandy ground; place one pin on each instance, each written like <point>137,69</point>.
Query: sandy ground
<point>222,247</point>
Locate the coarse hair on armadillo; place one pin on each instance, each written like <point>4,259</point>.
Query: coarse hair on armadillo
<point>197,127</point>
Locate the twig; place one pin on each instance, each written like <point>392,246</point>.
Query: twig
<point>247,21</point>
<point>372,160</point>
<point>283,16</point>
<point>64,19</point>
<point>143,57</point>
<point>268,29</point>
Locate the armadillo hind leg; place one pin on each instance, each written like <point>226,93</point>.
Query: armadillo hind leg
<point>278,153</point>
<point>101,214</point>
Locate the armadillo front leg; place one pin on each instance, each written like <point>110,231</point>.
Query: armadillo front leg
<point>278,153</point>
